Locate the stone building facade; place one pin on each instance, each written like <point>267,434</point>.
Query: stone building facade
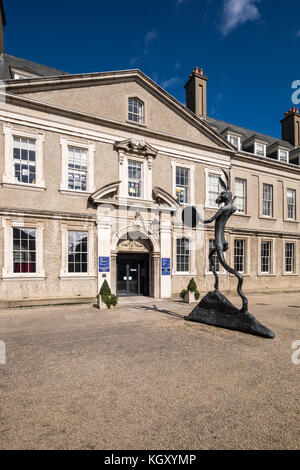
<point>96,169</point>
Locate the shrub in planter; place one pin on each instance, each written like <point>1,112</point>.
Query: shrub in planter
<point>191,293</point>
<point>105,295</point>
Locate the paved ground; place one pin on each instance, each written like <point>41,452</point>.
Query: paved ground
<point>141,377</point>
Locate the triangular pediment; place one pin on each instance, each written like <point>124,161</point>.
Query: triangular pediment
<point>105,96</point>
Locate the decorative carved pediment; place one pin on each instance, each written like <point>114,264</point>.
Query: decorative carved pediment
<point>135,146</point>
<point>138,245</point>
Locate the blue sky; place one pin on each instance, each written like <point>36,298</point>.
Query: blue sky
<point>248,48</point>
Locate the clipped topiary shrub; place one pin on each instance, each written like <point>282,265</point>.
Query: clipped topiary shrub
<point>106,296</point>
<point>192,286</point>
<point>183,292</point>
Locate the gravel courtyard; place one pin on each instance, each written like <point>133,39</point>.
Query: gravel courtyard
<point>140,377</point>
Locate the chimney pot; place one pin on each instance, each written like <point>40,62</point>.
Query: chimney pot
<point>201,72</point>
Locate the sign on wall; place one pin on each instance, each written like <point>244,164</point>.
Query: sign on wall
<point>104,264</point>
<point>166,267</point>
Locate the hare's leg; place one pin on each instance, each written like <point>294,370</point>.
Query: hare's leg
<point>212,268</point>
<point>240,280</point>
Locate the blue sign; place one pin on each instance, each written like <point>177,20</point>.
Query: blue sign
<point>165,267</point>
<point>104,264</point>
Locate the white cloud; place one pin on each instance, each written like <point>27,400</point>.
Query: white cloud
<point>237,12</point>
<point>177,65</point>
<point>171,82</point>
<point>149,38</point>
<point>134,60</point>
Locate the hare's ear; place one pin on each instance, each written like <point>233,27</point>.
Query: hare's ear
<point>227,178</point>
<point>222,184</point>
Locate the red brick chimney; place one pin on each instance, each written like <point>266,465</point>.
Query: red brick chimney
<point>290,127</point>
<point>195,88</point>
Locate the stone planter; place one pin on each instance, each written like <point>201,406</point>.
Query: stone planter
<point>189,297</point>
<point>102,305</point>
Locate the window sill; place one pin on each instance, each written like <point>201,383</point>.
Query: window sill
<point>67,277</point>
<point>266,217</point>
<point>241,214</point>
<point>208,208</point>
<point>184,274</point>
<point>291,220</point>
<point>290,274</point>
<point>23,278</point>
<point>140,124</point>
<point>73,192</point>
<point>209,274</point>
<point>30,187</point>
<point>266,275</point>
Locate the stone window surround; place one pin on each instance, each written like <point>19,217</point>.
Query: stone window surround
<point>90,147</point>
<point>191,237</point>
<point>65,228</point>
<point>296,264</point>
<point>7,270</point>
<point>8,177</point>
<point>208,273</point>
<point>247,253</point>
<point>191,168</point>
<point>207,173</point>
<point>245,196</point>
<point>146,176</point>
<point>273,257</point>
<point>140,124</point>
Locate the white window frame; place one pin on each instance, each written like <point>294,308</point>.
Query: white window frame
<point>7,271</point>
<point>192,238</point>
<point>294,205</point>
<point>271,200</point>
<point>191,168</point>
<point>18,74</point>
<point>292,242</point>
<point>8,176</point>
<point>146,172</point>
<point>244,198</point>
<point>143,114</point>
<point>233,136</point>
<point>272,253</point>
<point>64,271</point>
<point>90,147</point>
<point>244,254</point>
<point>287,155</point>
<point>207,173</point>
<point>141,181</point>
<point>256,144</point>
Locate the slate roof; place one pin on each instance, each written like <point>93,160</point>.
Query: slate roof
<point>220,126</point>
<point>7,62</point>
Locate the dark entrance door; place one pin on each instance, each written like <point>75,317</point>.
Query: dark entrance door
<point>132,274</point>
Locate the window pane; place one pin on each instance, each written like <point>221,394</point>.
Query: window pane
<point>135,110</point>
<point>268,200</point>
<point>240,193</point>
<point>213,190</point>
<point>182,185</point>
<point>289,257</point>
<point>24,160</point>
<point>77,252</point>
<point>134,179</point>
<point>215,258</point>
<point>24,250</point>
<point>239,255</point>
<point>183,255</point>
<point>77,169</point>
<point>265,257</point>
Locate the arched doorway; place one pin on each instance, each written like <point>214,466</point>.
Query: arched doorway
<point>133,276</point>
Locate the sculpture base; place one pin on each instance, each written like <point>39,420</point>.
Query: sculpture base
<point>215,309</point>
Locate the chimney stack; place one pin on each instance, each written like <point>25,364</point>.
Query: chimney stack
<point>290,126</point>
<point>196,92</point>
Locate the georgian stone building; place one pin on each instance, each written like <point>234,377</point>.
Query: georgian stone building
<point>95,170</point>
